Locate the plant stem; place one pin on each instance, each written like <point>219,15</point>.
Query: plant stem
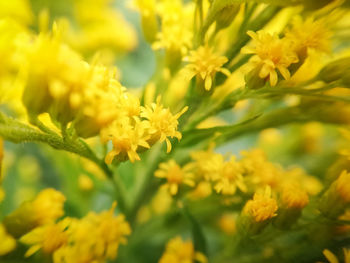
<point>18,132</point>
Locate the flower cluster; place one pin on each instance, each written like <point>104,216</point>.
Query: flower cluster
<point>178,251</point>
<point>287,54</point>
<point>245,172</point>
<point>93,238</point>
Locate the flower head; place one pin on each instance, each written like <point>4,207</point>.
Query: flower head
<point>229,178</point>
<point>8,243</point>
<point>175,175</point>
<point>49,237</point>
<point>294,197</point>
<point>343,186</point>
<point>309,34</point>
<point>262,207</point>
<point>179,251</point>
<point>205,64</point>
<point>270,54</point>
<point>128,136</point>
<point>48,206</point>
<point>94,238</point>
<point>162,123</point>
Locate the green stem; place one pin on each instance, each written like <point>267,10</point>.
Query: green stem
<point>263,18</point>
<point>17,132</point>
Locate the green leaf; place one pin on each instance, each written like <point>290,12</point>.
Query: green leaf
<point>200,242</point>
<point>195,136</point>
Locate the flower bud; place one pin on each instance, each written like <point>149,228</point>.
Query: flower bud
<point>225,16</point>
<point>292,200</point>
<point>337,198</point>
<point>257,213</point>
<point>252,79</point>
<point>45,208</point>
<point>334,70</point>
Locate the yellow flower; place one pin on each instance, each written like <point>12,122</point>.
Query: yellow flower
<point>262,207</point>
<point>342,186</point>
<point>49,237</point>
<point>176,35</point>
<point>333,258</point>
<point>258,170</point>
<point>94,238</point>
<point>175,175</point>
<point>309,35</point>
<point>127,138</point>
<point>48,206</point>
<point>85,183</point>
<point>227,223</point>
<point>163,123</point>
<point>202,190</point>
<point>100,101</point>
<point>8,243</point>
<point>17,9</point>
<point>271,54</point>
<point>294,197</point>
<point>56,78</point>
<point>207,163</point>
<point>101,26</point>
<point>229,178</point>
<point>179,251</point>
<point>204,64</point>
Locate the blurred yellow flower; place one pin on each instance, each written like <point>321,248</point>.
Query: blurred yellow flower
<point>262,207</point>
<point>8,243</point>
<point>179,251</point>
<point>175,175</point>
<point>48,237</point>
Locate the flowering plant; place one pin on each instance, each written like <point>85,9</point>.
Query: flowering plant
<point>174,131</point>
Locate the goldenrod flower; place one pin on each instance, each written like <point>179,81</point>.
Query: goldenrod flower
<point>162,123</point>
<point>18,9</point>
<point>101,26</point>
<point>94,238</point>
<point>44,209</point>
<point>204,64</point>
<point>258,170</point>
<point>292,200</point>
<point>48,206</point>
<point>8,243</point>
<point>310,34</point>
<point>335,200</point>
<point>271,54</point>
<point>229,178</point>
<point>202,190</point>
<point>175,175</point>
<point>179,251</point>
<point>127,138</point>
<point>207,163</point>
<point>294,197</point>
<point>176,33</point>
<point>342,186</point>
<point>333,258</point>
<point>262,207</point>
<point>55,73</point>
<point>227,223</point>
<point>48,237</point>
